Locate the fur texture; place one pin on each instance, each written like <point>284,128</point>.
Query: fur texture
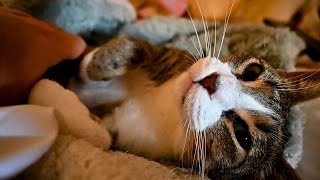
<point>167,113</point>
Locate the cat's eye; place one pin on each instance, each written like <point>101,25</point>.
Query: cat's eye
<point>242,134</point>
<point>240,129</point>
<point>252,72</point>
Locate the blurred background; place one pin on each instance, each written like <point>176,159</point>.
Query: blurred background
<point>301,15</point>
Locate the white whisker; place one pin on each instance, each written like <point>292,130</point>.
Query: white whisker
<point>194,26</point>
<point>215,35</point>
<point>226,21</point>
<point>204,27</point>
<point>185,138</point>
<point>192,60</point>
<point>298,80</point>
<point>198,51</point>
<point>303,88</point>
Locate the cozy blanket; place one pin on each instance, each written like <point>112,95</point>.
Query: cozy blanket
<point>81,150</point>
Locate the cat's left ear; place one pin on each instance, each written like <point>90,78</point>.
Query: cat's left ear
<point>300,86</point>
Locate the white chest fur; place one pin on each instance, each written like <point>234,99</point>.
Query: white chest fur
<point>148,123</point>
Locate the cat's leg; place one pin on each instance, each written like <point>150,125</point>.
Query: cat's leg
<point>101,70</point>
<point>115,58</point>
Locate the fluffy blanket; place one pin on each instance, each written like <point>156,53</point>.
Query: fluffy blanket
<point>81,149</point>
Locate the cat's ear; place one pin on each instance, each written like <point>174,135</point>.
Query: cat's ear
<point>283,171</point>
<point>300,86</point>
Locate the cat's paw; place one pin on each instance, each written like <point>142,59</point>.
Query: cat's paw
<point>108,61</point>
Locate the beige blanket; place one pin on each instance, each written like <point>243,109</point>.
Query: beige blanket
<point>81,150</point>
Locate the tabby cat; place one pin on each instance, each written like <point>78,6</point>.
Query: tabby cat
<point>226,118</point>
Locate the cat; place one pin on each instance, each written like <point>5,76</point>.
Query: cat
<point>226,118</point>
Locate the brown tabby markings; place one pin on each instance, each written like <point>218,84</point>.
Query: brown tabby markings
<point>225,157</point>
<point>160,63</point>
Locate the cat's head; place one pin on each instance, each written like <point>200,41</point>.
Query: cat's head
<point>235,115</point>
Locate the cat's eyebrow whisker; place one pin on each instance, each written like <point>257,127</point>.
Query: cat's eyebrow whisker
<point>295,77</point>
<point>194,58</point>
<point>188,58</point>
<point>274,135</point>
<point>303,88</point>
<point>293,85</point>
<point>298,80</point>
<point>188,61</point>
<point>226,21</point>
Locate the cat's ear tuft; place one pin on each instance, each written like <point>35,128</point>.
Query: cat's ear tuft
<point>300,86</point>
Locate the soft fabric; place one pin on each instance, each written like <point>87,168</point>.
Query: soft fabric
<point>72,158</point>
<point>72,116</point>
<point>26,133</point>
<point>93,19</point>
<point>278,46</point>
<point>78,150</point>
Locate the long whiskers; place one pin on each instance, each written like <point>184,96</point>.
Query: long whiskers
<point>194,44</point>
<point>294,85</point>
<point>191,61</point>
<point>215,35</point>
<point>298,80</point>
<point>201,53</point>
<point>206,31</point>
<point>302,88</point>
<point>186,123</point>
<point>226,21</point>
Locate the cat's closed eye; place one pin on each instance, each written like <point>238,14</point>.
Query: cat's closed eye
<point>252,72</point>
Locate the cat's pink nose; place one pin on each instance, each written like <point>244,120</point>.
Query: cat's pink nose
<point>210,83</point>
